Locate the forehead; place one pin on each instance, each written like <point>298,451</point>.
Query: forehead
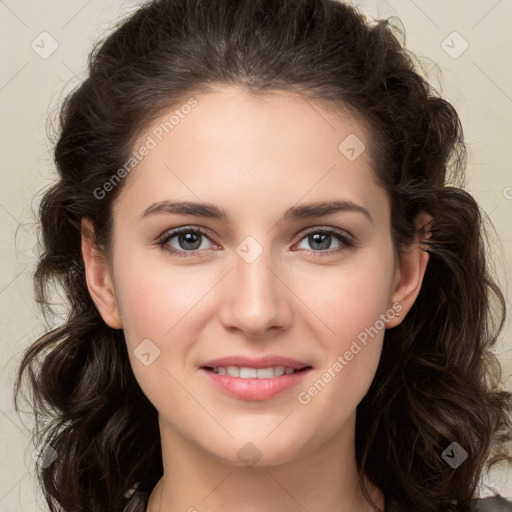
<point>228,145</point>
<point>273,123</point>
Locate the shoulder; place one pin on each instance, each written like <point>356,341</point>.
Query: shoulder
<point>492,504</point>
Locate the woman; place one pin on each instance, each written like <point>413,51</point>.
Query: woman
<point>252,369</point>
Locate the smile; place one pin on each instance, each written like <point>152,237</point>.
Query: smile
<point>245,372</point>
<point>248,383</point>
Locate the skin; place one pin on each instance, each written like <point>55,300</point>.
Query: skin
<point>255,157</point>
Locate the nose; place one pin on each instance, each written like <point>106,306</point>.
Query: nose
<point>256,297</point>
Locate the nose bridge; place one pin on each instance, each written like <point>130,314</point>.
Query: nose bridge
<point>257,296</point>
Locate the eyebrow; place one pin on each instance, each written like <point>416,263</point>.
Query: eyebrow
<point>295,213</point>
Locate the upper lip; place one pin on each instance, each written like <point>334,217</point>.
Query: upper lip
<point>255,362</point>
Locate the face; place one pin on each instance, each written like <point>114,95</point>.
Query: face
<point>271,279</point>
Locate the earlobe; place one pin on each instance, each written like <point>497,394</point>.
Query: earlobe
<point>98,277</point>
<point>413,264</point>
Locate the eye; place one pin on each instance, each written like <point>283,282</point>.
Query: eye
<point>321,239</point>
<point>188,238</point>
<point>189,241</point>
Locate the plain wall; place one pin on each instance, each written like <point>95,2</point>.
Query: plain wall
<point>478,82</point>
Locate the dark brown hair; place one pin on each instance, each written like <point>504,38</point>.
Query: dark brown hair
<point>438,380</point>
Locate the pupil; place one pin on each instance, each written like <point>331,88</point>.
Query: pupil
<point>188,238</point>
<point>317,238</point>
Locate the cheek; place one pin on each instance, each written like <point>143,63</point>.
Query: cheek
<point>351,303</point>
<point>153,295</point>
<point>161,307</point>
<point>351,298</point>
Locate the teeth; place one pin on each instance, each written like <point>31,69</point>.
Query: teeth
<point>233,371</point>
<point>247,373</point>
<point>265,373</point>
<point>253,373</point>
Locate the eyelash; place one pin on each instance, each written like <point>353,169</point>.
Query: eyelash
<point>345,240</point>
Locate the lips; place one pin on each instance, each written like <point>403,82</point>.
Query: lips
<point>255,378</point>
<point>255,362</point>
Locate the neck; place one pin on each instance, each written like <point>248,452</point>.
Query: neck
<point>325,478</point>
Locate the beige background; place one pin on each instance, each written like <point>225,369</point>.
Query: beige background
<point>478,82</point>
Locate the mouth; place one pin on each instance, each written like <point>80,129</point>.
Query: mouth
<point>252,384</point>
<point>245,372</point>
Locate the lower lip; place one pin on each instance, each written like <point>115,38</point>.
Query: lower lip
<point>255,389</point>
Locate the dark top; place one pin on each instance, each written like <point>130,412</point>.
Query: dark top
<point>489,504</point>
<point>139,503</point>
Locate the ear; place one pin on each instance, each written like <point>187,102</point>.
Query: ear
<point>98,277</point>
<point>409,274</point>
